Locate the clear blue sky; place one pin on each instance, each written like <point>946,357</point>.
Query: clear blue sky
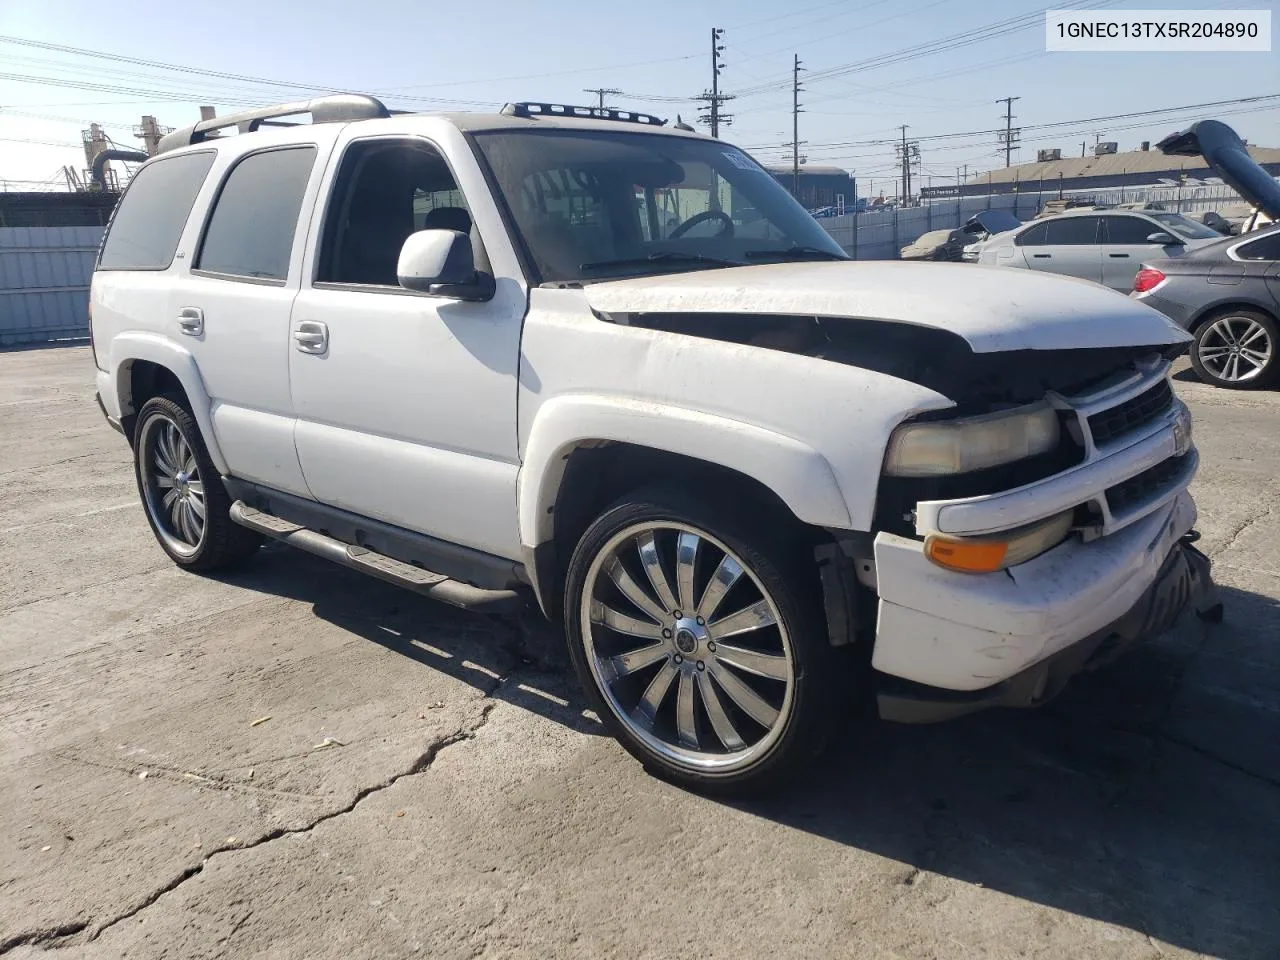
<point>478,55</point>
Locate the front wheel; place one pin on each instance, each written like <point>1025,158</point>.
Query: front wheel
<point>183,496</point>
<point>1236,349</point>
<point>699,642</point>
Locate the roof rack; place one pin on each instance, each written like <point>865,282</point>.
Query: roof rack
<point>532,110</point>
<point>339,108</point>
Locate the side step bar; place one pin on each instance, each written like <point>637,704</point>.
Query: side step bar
<point>434,585</point>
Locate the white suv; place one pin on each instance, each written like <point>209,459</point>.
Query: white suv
<point>578,359</point>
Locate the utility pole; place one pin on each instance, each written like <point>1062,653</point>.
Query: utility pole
<point>1009,137</point>
<point>602,92</point>
<point>713,116</point>
<point>795,128</point>
<point>902,152</point>
<point>908,152</point>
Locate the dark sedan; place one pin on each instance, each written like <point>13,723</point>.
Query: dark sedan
<point>1228,295</point>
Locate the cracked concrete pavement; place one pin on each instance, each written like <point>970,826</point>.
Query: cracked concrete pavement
<point>295,761</point>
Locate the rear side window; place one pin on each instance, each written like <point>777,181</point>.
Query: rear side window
<point>1072,230</point>
<point>1265,248</point>
<point>250,232</point>
<point>1130,230</point>
<point>146,227</point>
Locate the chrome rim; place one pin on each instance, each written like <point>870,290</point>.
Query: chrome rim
<point>1235,349</point>
<point>171,485</point>
<point>687,647</point>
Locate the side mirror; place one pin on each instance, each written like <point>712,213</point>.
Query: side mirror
<point>441,262</point>
<point>1164,239</point>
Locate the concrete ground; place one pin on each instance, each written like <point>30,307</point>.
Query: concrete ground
<point>295,761</point>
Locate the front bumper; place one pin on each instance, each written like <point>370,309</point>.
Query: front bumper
<point>949,643</point>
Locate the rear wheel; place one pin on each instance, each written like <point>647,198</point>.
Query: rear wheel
<point>184,499</point>
<point>699,642</point>
<point>1236,349</point>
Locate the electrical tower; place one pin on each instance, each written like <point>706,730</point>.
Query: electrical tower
<point>908,154</point>
<point>714,115</point>
<point>1010,136</point>
<point>603,92</point>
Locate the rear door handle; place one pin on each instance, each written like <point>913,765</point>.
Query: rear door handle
<point>1118,256</point>
<point>1042,256</point>
<point>311,336</point>
<point>191,321</point>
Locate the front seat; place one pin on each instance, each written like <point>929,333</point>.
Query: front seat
<point>448,218</point>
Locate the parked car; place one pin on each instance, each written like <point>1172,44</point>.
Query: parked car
<point>754,481</point>
<point>950,245</point>
<point>1228,295</point>
<point>1103,246</point>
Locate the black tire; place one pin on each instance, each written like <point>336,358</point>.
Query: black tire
<point>780,564</point>
<point>1209,337</point>
<point>221,543</point>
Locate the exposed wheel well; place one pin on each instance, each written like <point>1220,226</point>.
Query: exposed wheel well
<point>596,476</point>
<point>147,380</point>
<point>1219,309</point>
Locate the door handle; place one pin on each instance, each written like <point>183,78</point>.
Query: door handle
<point>1118,256</point>
<point>191,321</point>
<point>311,336</point>
<point>1042,256</point>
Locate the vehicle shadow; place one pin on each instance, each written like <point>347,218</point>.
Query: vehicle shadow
<point>1099,804</point>
<point>476,649</point>
<point>1121,801</point>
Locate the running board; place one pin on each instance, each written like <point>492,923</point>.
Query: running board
<point>434,585</point>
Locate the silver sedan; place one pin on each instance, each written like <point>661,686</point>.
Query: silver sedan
<point>1104,246</point>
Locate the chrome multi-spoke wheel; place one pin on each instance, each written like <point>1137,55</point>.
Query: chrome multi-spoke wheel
<point>687,647</point>
<point>1235,348</point>
<point>172,487</point>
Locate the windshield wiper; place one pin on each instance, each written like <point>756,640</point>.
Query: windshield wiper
<point>667,256</point>
<point>798,252</point>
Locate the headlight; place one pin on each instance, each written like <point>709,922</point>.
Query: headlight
<point>941,447</point>
<point>989,554</point>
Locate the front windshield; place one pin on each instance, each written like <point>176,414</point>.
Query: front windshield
<point>591,205</point>
<point>1185,226</point>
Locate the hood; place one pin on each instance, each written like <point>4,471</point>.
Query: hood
<point>993,309</point>
<point>1226,153</point>
<point>994,221</point>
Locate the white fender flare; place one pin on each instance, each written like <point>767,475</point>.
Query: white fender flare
<point>137,345</point>
<point>799,475</point>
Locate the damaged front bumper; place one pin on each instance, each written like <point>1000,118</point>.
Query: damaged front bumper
<point>950,643</point>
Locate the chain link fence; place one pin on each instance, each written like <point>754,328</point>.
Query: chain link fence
<point>881,234</point>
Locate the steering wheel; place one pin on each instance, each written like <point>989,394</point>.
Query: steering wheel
<point>705,215</point>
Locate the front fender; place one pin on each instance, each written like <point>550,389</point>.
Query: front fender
<point>137,345</point>
<point>799,475</point>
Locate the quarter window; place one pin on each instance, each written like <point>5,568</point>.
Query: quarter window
<point>147,226</point>
<point>1264,248</point>
<point>250,232</point>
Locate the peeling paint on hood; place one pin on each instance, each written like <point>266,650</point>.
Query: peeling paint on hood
<point>991,308</point>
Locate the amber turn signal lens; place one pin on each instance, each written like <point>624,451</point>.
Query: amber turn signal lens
<point>967,556</point>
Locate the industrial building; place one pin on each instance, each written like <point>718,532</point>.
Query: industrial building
<point>1104,166</point>
<point>819,186</point>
